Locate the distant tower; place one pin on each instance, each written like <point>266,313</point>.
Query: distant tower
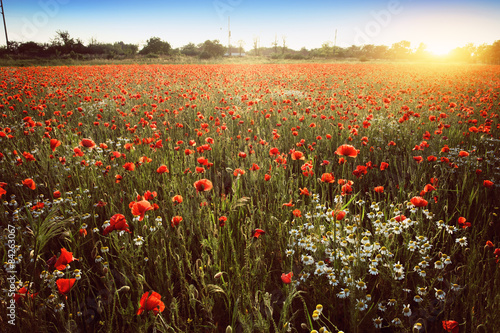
<point>228,37</point>
<point>4,24</point>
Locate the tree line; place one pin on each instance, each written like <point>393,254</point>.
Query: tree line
<point>64,46</point>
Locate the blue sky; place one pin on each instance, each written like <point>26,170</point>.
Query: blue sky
<point>441,25</point>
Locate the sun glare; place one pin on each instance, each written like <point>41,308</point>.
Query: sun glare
<point>439,50</point>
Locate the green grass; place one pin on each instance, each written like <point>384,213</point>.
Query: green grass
<point>215,278</point>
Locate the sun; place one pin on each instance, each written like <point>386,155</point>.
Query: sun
<point>439,50</point>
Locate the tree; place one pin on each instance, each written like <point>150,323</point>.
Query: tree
<point>401,49</point>
<point>256,45</point>
<point>157,46</point>
<point>190,50</point>
<point>240,46</point>
<point>275,44</point>
<point>284,44</point>
<point>212,49</point>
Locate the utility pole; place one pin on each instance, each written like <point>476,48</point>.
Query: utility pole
<point>4,24</point>
<point>228,37</point>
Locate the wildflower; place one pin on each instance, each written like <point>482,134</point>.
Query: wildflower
<point>488,183</point>
<point>87,143</point>
<point>151,301</point>
<point>347,150</point>
<point>175,221</point>
<point>417,298</point>
<point>129,166</point>
<point>418,326</point>
<point>287,278</point>
<point>65,285</point>
<point>379,189</point>
<point>297,213</point>
<point>407,310</point>
<point>396,321</point>
<point>361,304</point>
<point>54,143</point>
<point>140,208</point>
<point>377,322</point>
<point>203,185</point>
<point>297,155</point>
<point>177,199</point>
<point>450,326</point>
<point>162,169</point>
<point>29,183</point>
<point>440,294</point>
<point>222,221</point>
<point>462,241</point>
<point>304,191</point>
<point>327,178</point>
<point>64,259</point>
<point>418,201</point>
<point>138,240</point>
<point>117,222</point>
<point>257,233</point>
<point>238,172</point>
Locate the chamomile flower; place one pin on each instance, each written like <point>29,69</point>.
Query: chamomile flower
<point>440,294</point>
<point>361,304</point>
<point>407,310</point>
<point>377,322</point>
<point>461,241</point>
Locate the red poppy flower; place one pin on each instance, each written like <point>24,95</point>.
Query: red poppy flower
<point>177,199</point>
<point>148,195</point>
<point>29,183</point>
<point>64,259</point>
<point>129,166</point>
<point>267,177</point>
<point>488,183</point>
<point>462,221</point>
<point>431,158</point>
<point>289,204</point>
<point>274,151</point>
<point>339,215</point>
<point>489,244</point>
<point>175,221</point>
<point>65,285</point>
<point>22,293</point>
<point>418,202</point>
<point>222,221</point>
<point>327,178</point>
<point>400,218</point>
<point>54,143</point>
<point>450,326</point>
<point>346,150</point>
<point>162,169</point>
<point>117,222</point>
<point>254,167</point>
<point>418,158</point>
<point>56,194</point>
<point>383,166</point>
<point>287,278</point>
<point>258,232</point>
<point>238,172</point>
<point>463,153</point>
<point>140,208</point>
<point>304,191</point>
<point>203,185</point>
<point>242,154</point>
<point>151,301</point>
<point>297,213</point>
<point>87,143</point>
<point>379,189</point>
<point>297,155</point>
<point>2,191</point>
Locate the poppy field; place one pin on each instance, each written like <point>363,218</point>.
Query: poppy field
<point>250,198</point>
